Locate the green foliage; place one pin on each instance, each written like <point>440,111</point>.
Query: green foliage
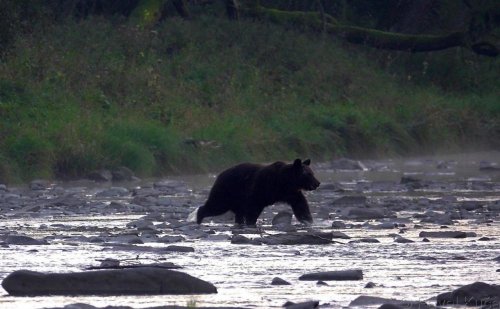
<point>202,94</point>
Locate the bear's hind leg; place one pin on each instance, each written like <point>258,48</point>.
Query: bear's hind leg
<point>252,215</point>
<point>210,209</point>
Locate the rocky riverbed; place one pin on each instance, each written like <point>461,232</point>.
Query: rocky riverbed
<point>394,229</point>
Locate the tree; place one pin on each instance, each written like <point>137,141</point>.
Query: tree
<point>480,36</point>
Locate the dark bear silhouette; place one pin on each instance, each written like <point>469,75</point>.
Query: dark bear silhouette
<point>246,189</point>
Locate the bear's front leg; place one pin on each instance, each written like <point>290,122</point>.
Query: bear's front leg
<point>239,218</point>
<point>300,207</point>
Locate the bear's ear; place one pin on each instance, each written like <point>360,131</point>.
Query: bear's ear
<point>297,163</point>
<point>307,162</point>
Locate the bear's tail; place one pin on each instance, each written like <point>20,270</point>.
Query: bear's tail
<point>193,217</point>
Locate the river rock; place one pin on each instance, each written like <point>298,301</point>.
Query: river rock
<point>475,294</point>
<point>370,285</point>
<point>39,184</point>
<point>117,206</point>
<point>402,240</point>
<point>122,173</point>
<point>174,248</point>
<point>365,240</point>
<point>242,240</point>
<point>338,225</point>
<point>279,281</point>
<point>113,192</point>
<point>340,275</point>
<point>100,175</point>
<point>167,239</point>
<point>23,240</point>
<point>336,234</point>
<point>141,224</point>
<point>303,305</point>
<point>488,166</point>
<point>283,220</point>
<point>443,234</point>
<point>298,238</point>
<point>412,182</point>
<point>364,301</point>
<point>359,213</point>
<point>350,200</point>
<point>133,281</point>
<point>437,218</point>
<point>3,188</point>
<point>347,165</point>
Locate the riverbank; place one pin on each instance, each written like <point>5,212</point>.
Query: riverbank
<point>200,95</point>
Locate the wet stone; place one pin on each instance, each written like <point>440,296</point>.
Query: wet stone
<point>298,238</point>
<point>340,275</point>
<point>242,240</point>
<point>303,305</point>
<point>370,285</point>
<point>23,240</point>
<point>100,175</point>
<point>113,192</point>
<point>173,248</point>
<point>338,225</point>
<point>443,234</point>
<point>117,206</point>
<point>475,294</point>
<point>340,235</point>
<point>488,166</point>
<point>363,301</point>
<point>279,281</point>
<point>167,239</point>
<point>359,213</point>
<point>123,173</point>
<point>141,224</point>
<point>485,239</point>
<point>40,184</point>
<point>403,240</point>
<point>364,240</point>
<point>134,281</point>
<point>282,220</point>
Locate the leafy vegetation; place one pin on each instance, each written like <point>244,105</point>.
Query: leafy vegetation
<point>196,95</point>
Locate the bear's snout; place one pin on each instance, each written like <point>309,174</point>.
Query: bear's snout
<point>316,185</point>
<point>313,186</point>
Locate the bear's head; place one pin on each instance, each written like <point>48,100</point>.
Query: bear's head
<point>304,176</point>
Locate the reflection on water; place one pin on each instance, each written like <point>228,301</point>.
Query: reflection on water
<point>242,273</point>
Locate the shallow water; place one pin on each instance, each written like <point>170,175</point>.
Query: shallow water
<point>242,273</point>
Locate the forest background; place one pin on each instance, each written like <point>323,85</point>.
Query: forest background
<point>165,87</point>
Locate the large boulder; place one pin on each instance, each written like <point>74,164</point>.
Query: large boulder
<point>339,275</point>
<point>443,234</point>
<point>475,294</point>
<point>23,240</point>
<point>298,238</point>
<point>364,301</point>
<point>133,281</point>
<point>100,175</point>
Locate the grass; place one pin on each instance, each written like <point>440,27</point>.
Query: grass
<point>199,95</point>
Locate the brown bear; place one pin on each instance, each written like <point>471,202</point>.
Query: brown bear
<point>246,189</point>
